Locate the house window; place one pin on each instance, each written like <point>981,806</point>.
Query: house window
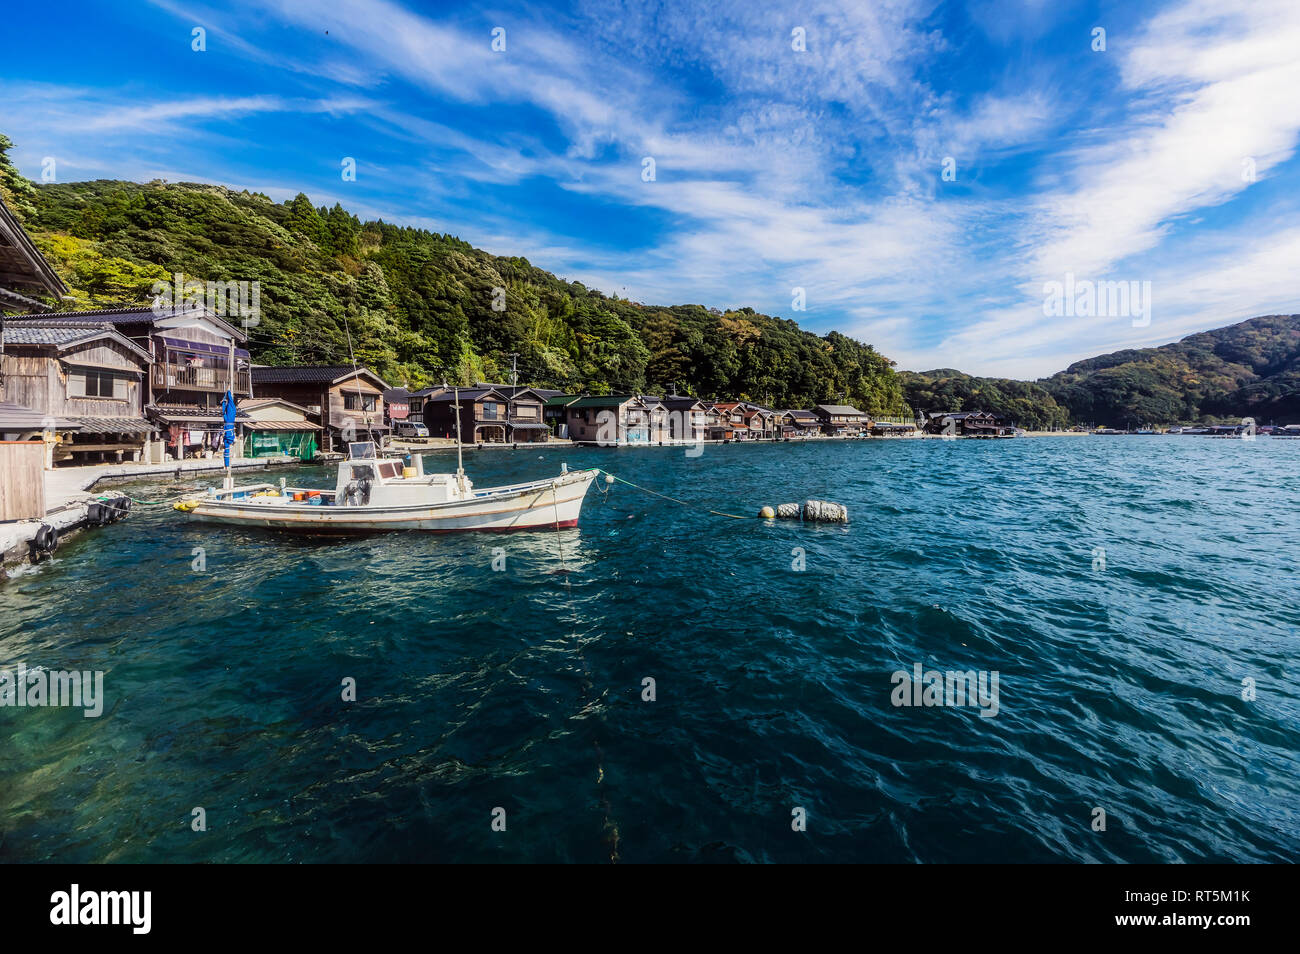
<point>97,384</point>
<point>358,402</point>
<point>490,410</point>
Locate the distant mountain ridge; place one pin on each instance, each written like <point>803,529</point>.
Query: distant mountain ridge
<point>1250,369</point>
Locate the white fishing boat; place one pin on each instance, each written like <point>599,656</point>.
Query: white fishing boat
<point>374,493</point>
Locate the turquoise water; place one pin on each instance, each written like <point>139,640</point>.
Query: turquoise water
<point>1120,686</point>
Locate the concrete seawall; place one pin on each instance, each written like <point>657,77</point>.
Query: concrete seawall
<point>68,496</point>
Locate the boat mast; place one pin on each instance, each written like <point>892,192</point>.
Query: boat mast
<point>227,433</point>
<point>460,462</point>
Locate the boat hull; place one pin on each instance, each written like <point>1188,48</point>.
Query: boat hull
<point>540,505</point>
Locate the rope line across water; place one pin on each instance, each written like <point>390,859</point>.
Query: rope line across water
<point>684,503</point>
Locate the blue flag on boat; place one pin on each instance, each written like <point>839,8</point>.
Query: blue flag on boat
<point>228,414</point>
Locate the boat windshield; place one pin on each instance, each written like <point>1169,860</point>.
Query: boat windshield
<point>361,450</point>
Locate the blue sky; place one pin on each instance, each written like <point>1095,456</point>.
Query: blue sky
<point>1168,157</point>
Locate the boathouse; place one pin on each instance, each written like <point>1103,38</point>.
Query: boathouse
<point>86,380</point>
<point>797,423</point>
<point>194,356</point>
<point>686,418</point>
<point>611,419</point>
<point>347,402</point>
<point>841,420</point>
<point>966,424</point>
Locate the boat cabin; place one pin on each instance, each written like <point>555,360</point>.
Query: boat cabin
<point>367,480</point>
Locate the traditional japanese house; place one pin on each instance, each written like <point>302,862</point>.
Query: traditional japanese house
<point>731,418</point>
<point>555,414</point>
<point>892,429</point>
<point>525,423</point>
<point>760,421</point>
<point>716,426</point>
<point>841,420</point>
<point>965,424</point>
<point>347,402</point>
<point>195,356</point>
<point>86,380</point>
<point>274,427</point>
<point>614,419</point>
<point>482,414</point>
<point>687,418</point>
<point>797,423</point>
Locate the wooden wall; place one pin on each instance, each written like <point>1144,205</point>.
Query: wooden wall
<point>22,480</point>
<point>50,385</point>
<point>334,414</point>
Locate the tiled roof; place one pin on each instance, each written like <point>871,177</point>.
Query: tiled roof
<point>306,374</point>
<point>128,314</point>
<point>838,409</point>
<point>15,417</point>
<point>32,333</point>
<point>606,400</point>
<point>113,425</point>
<point>466,394</point>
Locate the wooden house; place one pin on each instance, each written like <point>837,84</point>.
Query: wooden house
<point>613,419</point>
<point>841,420</point>
<point>965,424</point>
<point>484,414</point>
<point>347,402</point>
<point>760,422</point>
<point>195,356</point>
<point>86,380</point>
<point>525,418</point>
<point>731,419</point>
<point>797,423</point>
<point>687,418</point>
<point>555,414</point>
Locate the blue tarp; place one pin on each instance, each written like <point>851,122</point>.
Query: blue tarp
<point>228,411</point>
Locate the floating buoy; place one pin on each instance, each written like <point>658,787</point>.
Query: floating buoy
<point>609,478</point>
<point>812,511</point>
<point>823,511</point>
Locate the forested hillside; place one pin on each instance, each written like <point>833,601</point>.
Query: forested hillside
<point>1023,403</point>
<point>419,305</point>
<point>1250,369</point>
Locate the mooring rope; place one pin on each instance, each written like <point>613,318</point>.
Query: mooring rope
<point>684,503</point>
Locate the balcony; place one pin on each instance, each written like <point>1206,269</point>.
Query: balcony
<point>168,377</point>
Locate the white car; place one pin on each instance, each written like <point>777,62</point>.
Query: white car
<point>409,429</point>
